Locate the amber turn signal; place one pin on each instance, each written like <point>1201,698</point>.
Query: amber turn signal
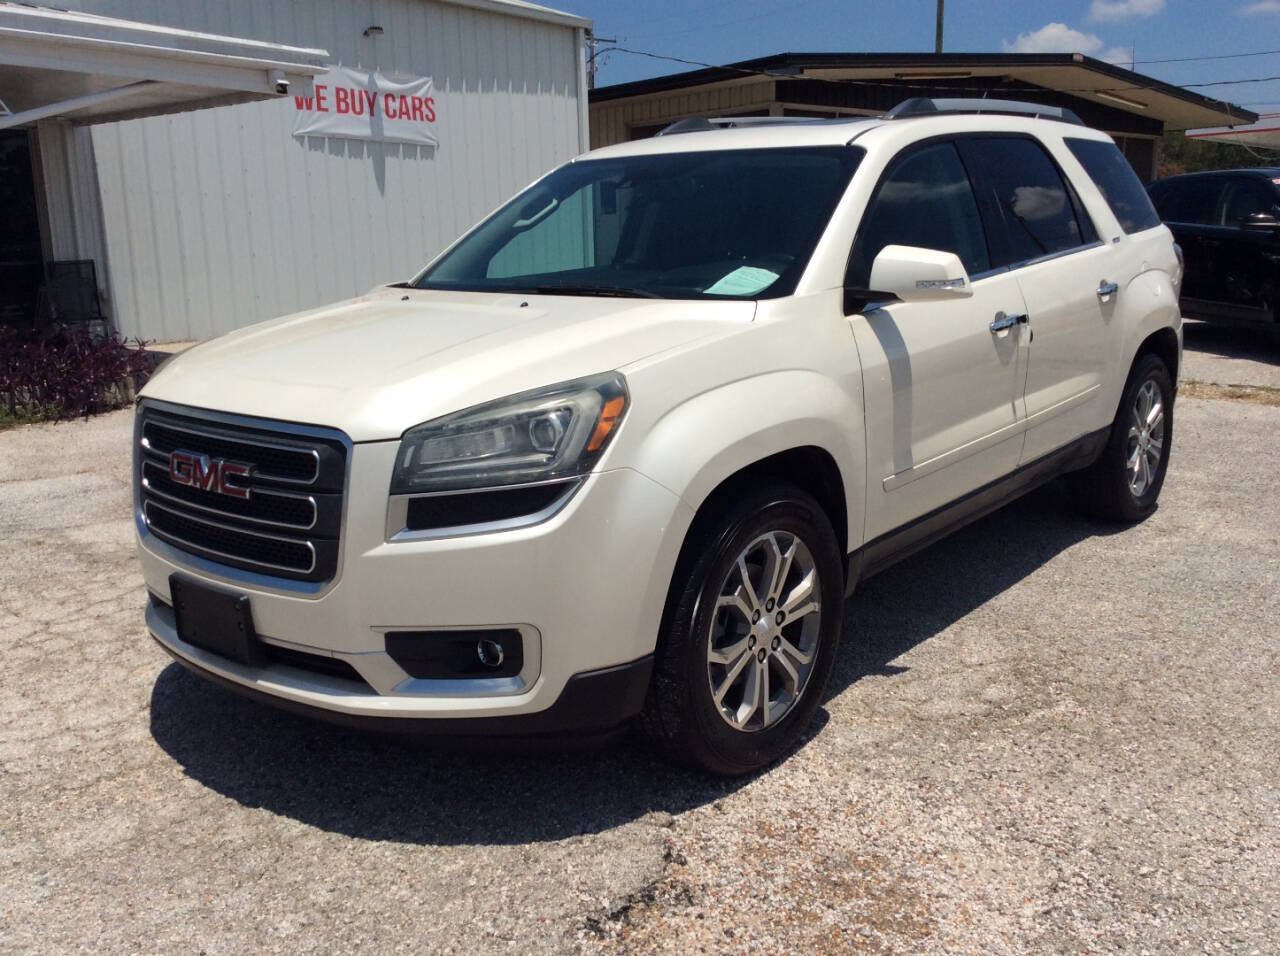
<point>609,416</point>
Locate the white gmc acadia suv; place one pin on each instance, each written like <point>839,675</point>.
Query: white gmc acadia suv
<point>619,454</point>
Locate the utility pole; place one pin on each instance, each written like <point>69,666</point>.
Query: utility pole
<point>937,37</point>
<point>592,39</point>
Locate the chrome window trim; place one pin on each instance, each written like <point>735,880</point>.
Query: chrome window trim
<point>1002,270</point>
<point>240,577</point>
<point>1047,257</point>
<point>999,270</point>
<point>398,512</point>
<point>1061,253</point>
<point>315,456</point>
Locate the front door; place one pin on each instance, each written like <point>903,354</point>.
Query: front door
<point>1247,263</point>
<point>942,391</point>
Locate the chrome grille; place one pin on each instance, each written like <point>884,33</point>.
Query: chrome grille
<point>289,523</point>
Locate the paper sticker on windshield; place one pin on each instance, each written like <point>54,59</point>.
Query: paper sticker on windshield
<point>744,280</point>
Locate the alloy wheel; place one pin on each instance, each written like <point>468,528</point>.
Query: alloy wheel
<point>1146,438</point>
<point>764,633</point>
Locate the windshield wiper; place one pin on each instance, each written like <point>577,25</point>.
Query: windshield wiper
<point>617,292</point>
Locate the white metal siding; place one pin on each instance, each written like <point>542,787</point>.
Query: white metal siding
<point>71,193</point>
<point>219,218</point>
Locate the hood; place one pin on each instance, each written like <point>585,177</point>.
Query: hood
<point>379,364</point>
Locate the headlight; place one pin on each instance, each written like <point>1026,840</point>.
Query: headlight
<point>542,435</point>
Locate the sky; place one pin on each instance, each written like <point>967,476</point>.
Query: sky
<point>722,31</point>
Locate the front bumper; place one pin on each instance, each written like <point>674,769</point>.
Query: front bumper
<point>585,588</point>
<point>594,702</point>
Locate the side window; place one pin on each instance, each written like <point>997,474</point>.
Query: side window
<point>925,201</point>
<point>1028,209</point>
<point>1117,182</point>
<point>1193,200</point>
<point>1244,198</point>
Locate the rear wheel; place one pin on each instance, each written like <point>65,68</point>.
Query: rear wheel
<point>749,635</point>
<point>1124,483</point>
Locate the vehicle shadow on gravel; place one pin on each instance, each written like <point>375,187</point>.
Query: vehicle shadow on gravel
<point>925,594</point>
<point>388,787</point>
<point>1235,340</point>
<point>381,787</point>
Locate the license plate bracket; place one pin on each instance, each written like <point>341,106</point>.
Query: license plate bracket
<point>214,620</point>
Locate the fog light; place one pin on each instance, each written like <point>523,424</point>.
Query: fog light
<point>458,655</point>
<point>490,653</point>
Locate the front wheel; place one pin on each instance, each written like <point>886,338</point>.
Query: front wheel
<point>750,633</point>
<point>1125,482</point>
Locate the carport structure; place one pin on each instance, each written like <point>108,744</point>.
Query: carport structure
<point>60,70</point>
<point>1264,133</point>
<point>1135,109</point>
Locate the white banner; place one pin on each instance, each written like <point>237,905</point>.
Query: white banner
<point>355,105</point>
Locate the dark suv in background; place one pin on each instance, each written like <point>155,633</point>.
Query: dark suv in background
<point>1228,225</point>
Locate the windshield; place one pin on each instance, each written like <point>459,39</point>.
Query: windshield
<point>737,224</point>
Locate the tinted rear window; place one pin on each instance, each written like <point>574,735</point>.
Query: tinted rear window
<point>1117,182</point>
<point>1028,209</point>
<point>1191,200</point>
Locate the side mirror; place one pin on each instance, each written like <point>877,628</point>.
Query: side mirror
<point>919,275</point>
<point>1260,222</point>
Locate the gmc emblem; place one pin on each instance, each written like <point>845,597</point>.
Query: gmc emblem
<point>207,474</point>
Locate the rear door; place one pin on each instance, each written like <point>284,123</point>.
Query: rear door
<point>1190,207</point>
<point>943,392</point>
<point>1040,231</point>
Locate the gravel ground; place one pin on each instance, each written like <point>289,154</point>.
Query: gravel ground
<point>1041,734</point>
<point>1231,355</point>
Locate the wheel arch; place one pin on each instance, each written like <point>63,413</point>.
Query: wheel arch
<point>794,425</point>
<point>1163,343</point>
<point>810,468</point>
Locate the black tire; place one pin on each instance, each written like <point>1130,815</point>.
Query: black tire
<point>681,717</point>
<point>1104,489</point>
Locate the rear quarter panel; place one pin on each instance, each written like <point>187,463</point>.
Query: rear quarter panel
<point>1144,266</point>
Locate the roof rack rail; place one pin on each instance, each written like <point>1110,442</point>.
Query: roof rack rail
<point>700,124</point>
<point>924,106</point>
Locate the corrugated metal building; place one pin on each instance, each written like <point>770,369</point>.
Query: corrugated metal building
<point>205,221</point>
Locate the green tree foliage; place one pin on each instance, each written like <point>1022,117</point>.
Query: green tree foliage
<point>1176,154</point>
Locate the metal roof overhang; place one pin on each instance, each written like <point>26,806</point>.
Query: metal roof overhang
<point>527,11</point>
<point>90,69</point>
<point>1265,132</point>
<point>1072,73</point>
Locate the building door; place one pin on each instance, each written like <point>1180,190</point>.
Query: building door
<point>21,261</point>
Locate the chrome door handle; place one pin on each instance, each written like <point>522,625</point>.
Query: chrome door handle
<point>1106,288</point>
<point>1002,322</point>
